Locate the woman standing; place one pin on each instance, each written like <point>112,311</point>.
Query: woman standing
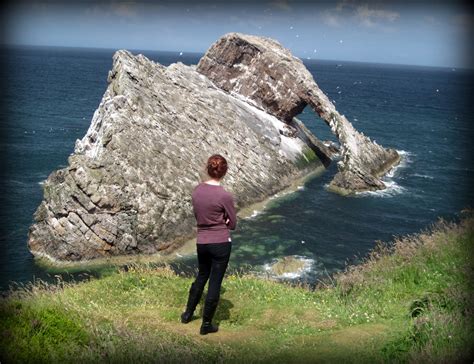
<point>215,216</point>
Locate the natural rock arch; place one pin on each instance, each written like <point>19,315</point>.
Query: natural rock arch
<point>262,71</point>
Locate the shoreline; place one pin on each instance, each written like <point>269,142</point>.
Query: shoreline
<point>186,248</point>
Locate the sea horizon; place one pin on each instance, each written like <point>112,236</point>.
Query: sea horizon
<point>302,58</point>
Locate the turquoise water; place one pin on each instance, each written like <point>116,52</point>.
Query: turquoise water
<point>50,94</point>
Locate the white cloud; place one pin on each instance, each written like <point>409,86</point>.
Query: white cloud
<point>331,19</point>
<point>373,17</point>
<point>341,5</point>
<point>362,14</point>
<point>281,5</point>
<point>124,10</point>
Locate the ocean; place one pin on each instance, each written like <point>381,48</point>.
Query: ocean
<point>50,94</point>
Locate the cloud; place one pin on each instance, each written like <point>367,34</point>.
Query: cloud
<point>341,5</point>
<point>373,17</point>
<point>332,19</point>
<point>361,14</point>
<point>124,10</point>
<point>97,10</point>
<point>281,5</point>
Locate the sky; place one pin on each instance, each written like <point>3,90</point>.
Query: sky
<point>416,33</point>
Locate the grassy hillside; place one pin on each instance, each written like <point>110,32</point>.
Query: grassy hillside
<point>411,301</point>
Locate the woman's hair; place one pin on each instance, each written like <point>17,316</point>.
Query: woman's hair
<point>216,166</point>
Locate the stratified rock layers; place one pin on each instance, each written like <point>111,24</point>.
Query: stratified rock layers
<point>128,184</point>
<point>127,188</point>
<point>261,70</point>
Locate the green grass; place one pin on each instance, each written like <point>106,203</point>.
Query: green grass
<point>409,301</point>
<point>307,157</point>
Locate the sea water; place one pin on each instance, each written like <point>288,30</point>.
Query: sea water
<point>50,94</point>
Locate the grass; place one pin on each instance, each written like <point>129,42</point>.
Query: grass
<point>307,157</point>
<point>409,301</point>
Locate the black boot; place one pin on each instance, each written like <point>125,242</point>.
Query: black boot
<point>208,313</point>
<point>193,300</point>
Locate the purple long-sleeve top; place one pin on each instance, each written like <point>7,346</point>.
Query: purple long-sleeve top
<point>213,206</point>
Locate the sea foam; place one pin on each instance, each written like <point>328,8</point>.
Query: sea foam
<point>392,188</point>
<point>405,160</point>
<point>422,176</point>
<point>307,267</point>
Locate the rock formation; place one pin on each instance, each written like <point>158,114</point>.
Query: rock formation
<point>127,186</point>
<point>261,70</point>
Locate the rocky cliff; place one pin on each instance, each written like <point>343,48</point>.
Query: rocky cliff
<point>127,186</point>
<point>262,71</point>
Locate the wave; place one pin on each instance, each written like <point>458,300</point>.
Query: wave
<point>254,214</point>
<point>16,184</point>
<point>276,195</point>
<point>406,154</point>
<point>391,189</point>
<point>304,266</point>
<point>263,207</point>
<point>422,176</point>
<point>405,160</point>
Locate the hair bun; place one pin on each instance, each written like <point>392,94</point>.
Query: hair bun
<point>216,166</point>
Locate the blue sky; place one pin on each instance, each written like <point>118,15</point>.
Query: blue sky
<point>430,33</point>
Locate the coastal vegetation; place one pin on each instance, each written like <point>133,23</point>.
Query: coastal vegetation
<point>410,300</point>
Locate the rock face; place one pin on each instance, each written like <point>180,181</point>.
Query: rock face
<point>128,184</point>
<point>261,70</point>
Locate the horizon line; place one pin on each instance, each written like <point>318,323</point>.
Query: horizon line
<point>6,45</point>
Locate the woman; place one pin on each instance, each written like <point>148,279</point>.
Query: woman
<point>215,216</point>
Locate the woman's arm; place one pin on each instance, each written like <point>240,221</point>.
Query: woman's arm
<point>231,217</point>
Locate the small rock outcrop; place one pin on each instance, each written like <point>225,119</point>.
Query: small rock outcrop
<point>261,70</point>
<point>127,188</point>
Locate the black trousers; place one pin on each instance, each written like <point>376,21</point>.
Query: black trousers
<point>213,260</point>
